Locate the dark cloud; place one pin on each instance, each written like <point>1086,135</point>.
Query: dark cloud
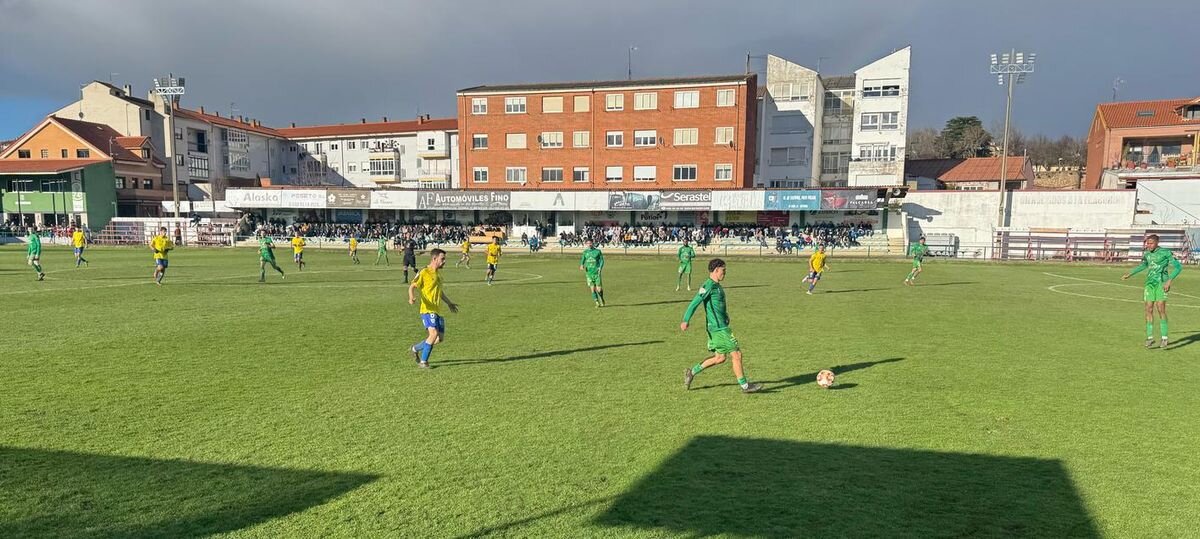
<point>311,62</point>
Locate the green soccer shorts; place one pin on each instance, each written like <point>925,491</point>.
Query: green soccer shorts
<point>1155,292</point>
<point>722,341</point>
<point>916,263</point>
<point>685,267</point>
<point>593,280</point>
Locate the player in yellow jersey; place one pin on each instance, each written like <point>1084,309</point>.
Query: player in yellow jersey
<point>466,254</point>
<point>79,241</point>
<point>816,267</point>
<point>493,258</point>
<point>429,282</point>
<point>161,245</point>
<point>298,250</point>
<point>354,249</point>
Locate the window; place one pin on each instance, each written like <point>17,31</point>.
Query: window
<point>582,139</point>
<point>646,173</point>
<point>514,105</point>
<point>788,156</point>
<point>197,166</point>
<point>877,152</point>
<point>835,162</point>
<point>120,182</point>
<point>552,175</point>
<point>351,167</point>
<point>552,139</point>
<point>684,173</point>
<point>552,105</point>
<point>479,106</point>
<point>581,175</point>
<point>64,153</point>
<point>645,101</point>
<point>333,146</point>
<point>319,147</point>
<point>870,122</point>
<point>364,166</point>
<point>479,142</point>
<point>789,123</point>
<point>881,88</point>
<point>480,174</point>
<point>790,91</point>
<point>147,183</point>
<point>515,175</point>
<point>178,133</point>
<point>147,111</point>
<point>612,174</point>
<point>613,102</point>
<point>725,98</point>
<point>723,172</point>
<point>1192,112</point>
<point>889,121</point>
<point>582,103</point>
<point>430,144</point>
<point>240,162</point>
<point>383,167</point>
<point>686,136</point>
<point>23,154</point>
<point>724,135</point>
<point>82,153</point>
<point>515,141</point>
<point>350,144</point>
<point>614,139</point>
<point>835,133</point>
<point>687,100</point>
<point>644,139</point>
<point>46,154</point>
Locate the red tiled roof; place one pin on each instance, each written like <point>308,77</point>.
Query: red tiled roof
<point>1161,113</point>
<point>226,122</point>
<point>371,128</point>
<point>99,136</point>
<point>44,166</point>
<point>975,169</point>
<point>130,143</point>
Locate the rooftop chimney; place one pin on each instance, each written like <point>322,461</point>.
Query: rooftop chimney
<point>128,90</point>
<point>363,120</point>
<point>218,113</point>
<point>420,119</point>
<point>385,119</point>
<point>293,124</point>
<point>201,109</point>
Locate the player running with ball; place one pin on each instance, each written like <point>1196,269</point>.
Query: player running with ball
<point>1161,268</point>
<point>720,338</point>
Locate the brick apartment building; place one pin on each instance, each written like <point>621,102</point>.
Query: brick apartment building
<point>681,133</point>
<point>1143,140</point>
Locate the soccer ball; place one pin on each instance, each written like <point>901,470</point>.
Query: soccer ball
<point>825,378</point>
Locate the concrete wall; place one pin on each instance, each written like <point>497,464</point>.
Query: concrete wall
<point>1169,202</point>
<point>972,215</point>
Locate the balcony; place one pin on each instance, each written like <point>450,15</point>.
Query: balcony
<point>432,175</point>
<point>435,153</point>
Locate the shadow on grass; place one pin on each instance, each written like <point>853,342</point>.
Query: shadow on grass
<point>65,494</point>
<point>1185,341</point>
<point>537,355</point>
<point>501,528</point>
<point>769,488</point>
<point>851,291</point>
<point>956,283</point>
<point>811,377</point>
<point>650,303</point>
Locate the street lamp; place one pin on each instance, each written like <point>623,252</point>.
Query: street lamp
<point>169,88</point>
<point>1009,68</point>
<point>629,64</point>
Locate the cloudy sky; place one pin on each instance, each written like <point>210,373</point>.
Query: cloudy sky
<point>328,62</point>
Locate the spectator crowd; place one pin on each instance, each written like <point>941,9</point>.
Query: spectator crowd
<point>784,239</point>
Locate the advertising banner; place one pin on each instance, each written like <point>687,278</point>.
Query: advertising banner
<point>738,200</point>
<point>306,198</point>
<point>792,200</point>
<point>253,198</point>
<point>543,200</point>
<point>464,200</point>
<point>772,218</point>
<point>346,198</point>
<point>591,201</point>
<point>634,200</point>
<point>686,200</point>
<point>849,199</point>
<point>393,200</point>
<point>739,217</point>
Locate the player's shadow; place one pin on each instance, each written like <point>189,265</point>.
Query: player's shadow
<point>68,494</point>
<point>956,283</point>
<point>776,488</point>
<point>649,303</point>
<point>744,286</point>
<point>851,291</point>
<point>539,355</point>
<point>1187,340</point>
<point>771,386</point>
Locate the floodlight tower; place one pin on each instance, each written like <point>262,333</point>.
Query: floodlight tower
<point>1010,69</point>
<point>168,88</point>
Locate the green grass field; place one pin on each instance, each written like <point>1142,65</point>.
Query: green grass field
<point>990,401</point>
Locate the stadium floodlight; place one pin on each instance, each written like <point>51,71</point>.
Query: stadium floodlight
<point>169,88</point>
<point>1011,70</point>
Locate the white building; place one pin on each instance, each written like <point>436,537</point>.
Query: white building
<point>421,153</point>
<point>837,131</point>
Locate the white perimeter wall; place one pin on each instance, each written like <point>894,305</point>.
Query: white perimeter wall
<point>972,215</point>
<point>1169,202</point>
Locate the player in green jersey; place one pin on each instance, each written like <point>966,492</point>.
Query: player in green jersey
<point>381,254</point>
<point>266,256</point>
<point>685,254</point>
<point>720,338</point>
<point>34,254</point>
<point>1161,268</point>
<point>592,263</point>
<point>917,251</point>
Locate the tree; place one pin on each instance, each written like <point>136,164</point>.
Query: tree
<point>925,143</point>
<point>964,136</point>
